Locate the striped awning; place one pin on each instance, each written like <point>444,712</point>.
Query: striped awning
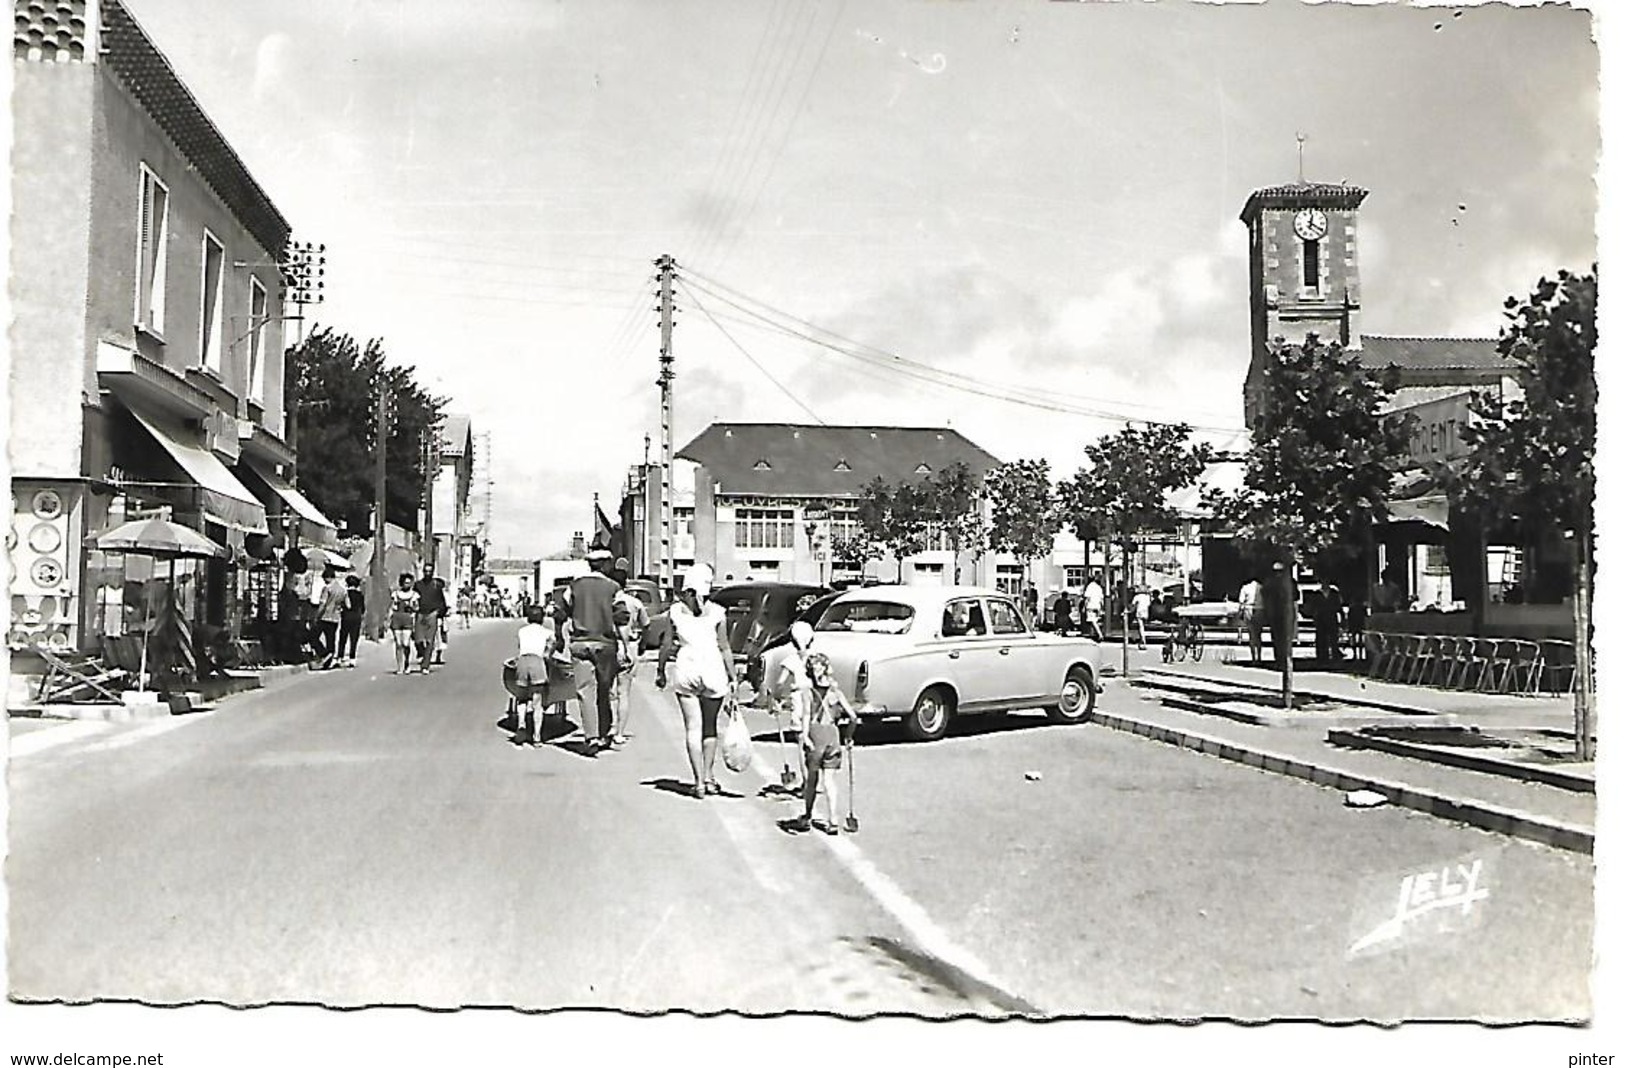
<point>314,527</point>
<point>222,499</point>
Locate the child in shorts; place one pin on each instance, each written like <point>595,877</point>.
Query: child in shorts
<point>823,714</point>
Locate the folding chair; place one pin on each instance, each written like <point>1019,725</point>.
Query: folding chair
<point>1558,662</point>
<point>78,677</point>
<point>1520,663</point>
<point>1378,645</point>
<point>1489,651</point>
<point>1400,658</point>
<point>1422,658</point>
<point>1453,649</point>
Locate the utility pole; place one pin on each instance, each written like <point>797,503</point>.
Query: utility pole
<point>668,566</point>
<point>380,577</point>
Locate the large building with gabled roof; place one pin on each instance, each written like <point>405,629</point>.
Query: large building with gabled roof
<point>766,501</point>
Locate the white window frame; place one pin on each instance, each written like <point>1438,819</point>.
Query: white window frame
<point>151,254</point>
<point>764,528</point>
<point>211,304</point>
<point>258,318</point>
<point>1074,576</point>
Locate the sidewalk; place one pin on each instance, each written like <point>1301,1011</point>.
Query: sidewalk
<point>1206,706</point>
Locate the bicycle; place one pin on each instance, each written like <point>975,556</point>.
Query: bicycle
<point>1187,639</point>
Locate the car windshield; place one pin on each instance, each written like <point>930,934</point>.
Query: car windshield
<point>867,617</point>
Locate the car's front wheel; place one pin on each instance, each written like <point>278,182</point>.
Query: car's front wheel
<point>1077,698</point>
<point>929,719</point>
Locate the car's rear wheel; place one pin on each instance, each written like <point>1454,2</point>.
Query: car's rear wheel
<point>1077,698</point>
<point>929,719</point>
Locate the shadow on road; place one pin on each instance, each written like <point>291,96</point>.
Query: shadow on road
<point>891,732</point>
<point>672,786</point>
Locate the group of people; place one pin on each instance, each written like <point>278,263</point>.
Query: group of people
<point>580,646</point>
<point>319,618</point>
<point>1272,600</point>
<point>1091,605</point>
<point>417,623</point>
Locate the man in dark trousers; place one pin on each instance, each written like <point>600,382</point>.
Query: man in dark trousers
<point>594,621</point>
<point>426,627</point>
<point>1063,613</point>
<point>1280,602</point>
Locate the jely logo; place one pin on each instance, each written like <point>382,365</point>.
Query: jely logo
<point>1444,896</point>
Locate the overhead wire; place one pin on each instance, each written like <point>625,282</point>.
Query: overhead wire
<point>892,362</point>
<point>746,353</point>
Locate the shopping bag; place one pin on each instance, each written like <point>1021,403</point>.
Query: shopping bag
<point>736,744</point>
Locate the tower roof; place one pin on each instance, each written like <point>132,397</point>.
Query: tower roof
<point>1303,195</point>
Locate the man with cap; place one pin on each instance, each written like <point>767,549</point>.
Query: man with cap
<point>595,619</point>
<point>627,653</point>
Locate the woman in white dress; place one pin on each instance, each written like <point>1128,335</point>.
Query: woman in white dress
<point>702,672</point>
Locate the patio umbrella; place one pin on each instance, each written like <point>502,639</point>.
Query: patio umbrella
<point>163,540</point>
<point>319,558</point>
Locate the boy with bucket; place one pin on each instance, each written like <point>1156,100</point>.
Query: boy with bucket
<point>824,718</point>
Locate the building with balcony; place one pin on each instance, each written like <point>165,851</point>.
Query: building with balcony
<point>146,341</point>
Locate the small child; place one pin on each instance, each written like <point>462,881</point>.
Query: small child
<point>823,714</point>
<point>536,641</point>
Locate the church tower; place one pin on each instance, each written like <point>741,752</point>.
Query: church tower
<point>1304,268</point>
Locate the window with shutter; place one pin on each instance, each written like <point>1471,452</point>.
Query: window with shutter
<point>257,303</point>
<point>152,253</point>
<point>210,313</point>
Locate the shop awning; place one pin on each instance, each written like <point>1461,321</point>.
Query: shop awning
<point>1433,509</point>
<point>314,527</point>
<point>222,498</point>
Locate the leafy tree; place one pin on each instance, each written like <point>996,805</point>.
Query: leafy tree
<point>1321,460</point>
<point>1025,512</point>
<point>332,395</point>
<point>1123,490</point>
<point>953,498</point>
<point>1532,462</point>
<point>896,517</point>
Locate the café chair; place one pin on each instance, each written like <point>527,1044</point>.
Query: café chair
<point>1425,659</point>
<point>1477,655</point>
<point>1453,655</point>
<point>1520,666</point>
<point>1558,666</point>
<point>1378,647</point>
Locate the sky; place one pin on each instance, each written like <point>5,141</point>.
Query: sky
<point>1041,196</point>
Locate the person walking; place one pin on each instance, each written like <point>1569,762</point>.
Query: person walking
<point>1094,608</point>
<point>1250,618</point>
<point>696,643</point>
<point>824,716</point>
<point>630,635</point>
<point>442,631</point>
<point>403,611</point>
<point>426,623</point>
<point>1063,614</point>
<point>536,644</point>
<point>1141,610</point>
<point>595,638</point>
<point>329,614</point>
<point>355,608</point>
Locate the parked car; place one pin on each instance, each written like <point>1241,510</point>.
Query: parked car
<point>656,604</point>
<point>925,654</point>
<point>755,666</point>
<point>758,612</point>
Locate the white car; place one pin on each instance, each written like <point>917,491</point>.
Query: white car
<point>928,653</point>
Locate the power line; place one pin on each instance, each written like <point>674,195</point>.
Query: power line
<point>1044,400</point>
<point>753,361</point>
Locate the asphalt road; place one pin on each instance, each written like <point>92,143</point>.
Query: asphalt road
<point>356,838</point>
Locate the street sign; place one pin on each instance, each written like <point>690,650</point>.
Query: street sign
<point>815,512</point>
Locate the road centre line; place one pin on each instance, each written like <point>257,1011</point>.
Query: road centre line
<point>909,914</point>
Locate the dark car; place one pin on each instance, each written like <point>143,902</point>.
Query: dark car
<point>758,612</point>
<point>656,604</point>
<point>809,615</point>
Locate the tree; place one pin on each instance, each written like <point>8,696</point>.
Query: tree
<point>1123,491</point>
<point>894,516</point>
<point>332,399</point>
<point>1321,460</point>
<point>1531,462</point>
<point>953,497</point>
<point>1025,513</point>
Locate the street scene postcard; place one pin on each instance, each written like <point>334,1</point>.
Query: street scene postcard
<point>988,529</point>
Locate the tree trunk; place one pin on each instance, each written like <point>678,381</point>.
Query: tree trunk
<point>1122,593</point>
